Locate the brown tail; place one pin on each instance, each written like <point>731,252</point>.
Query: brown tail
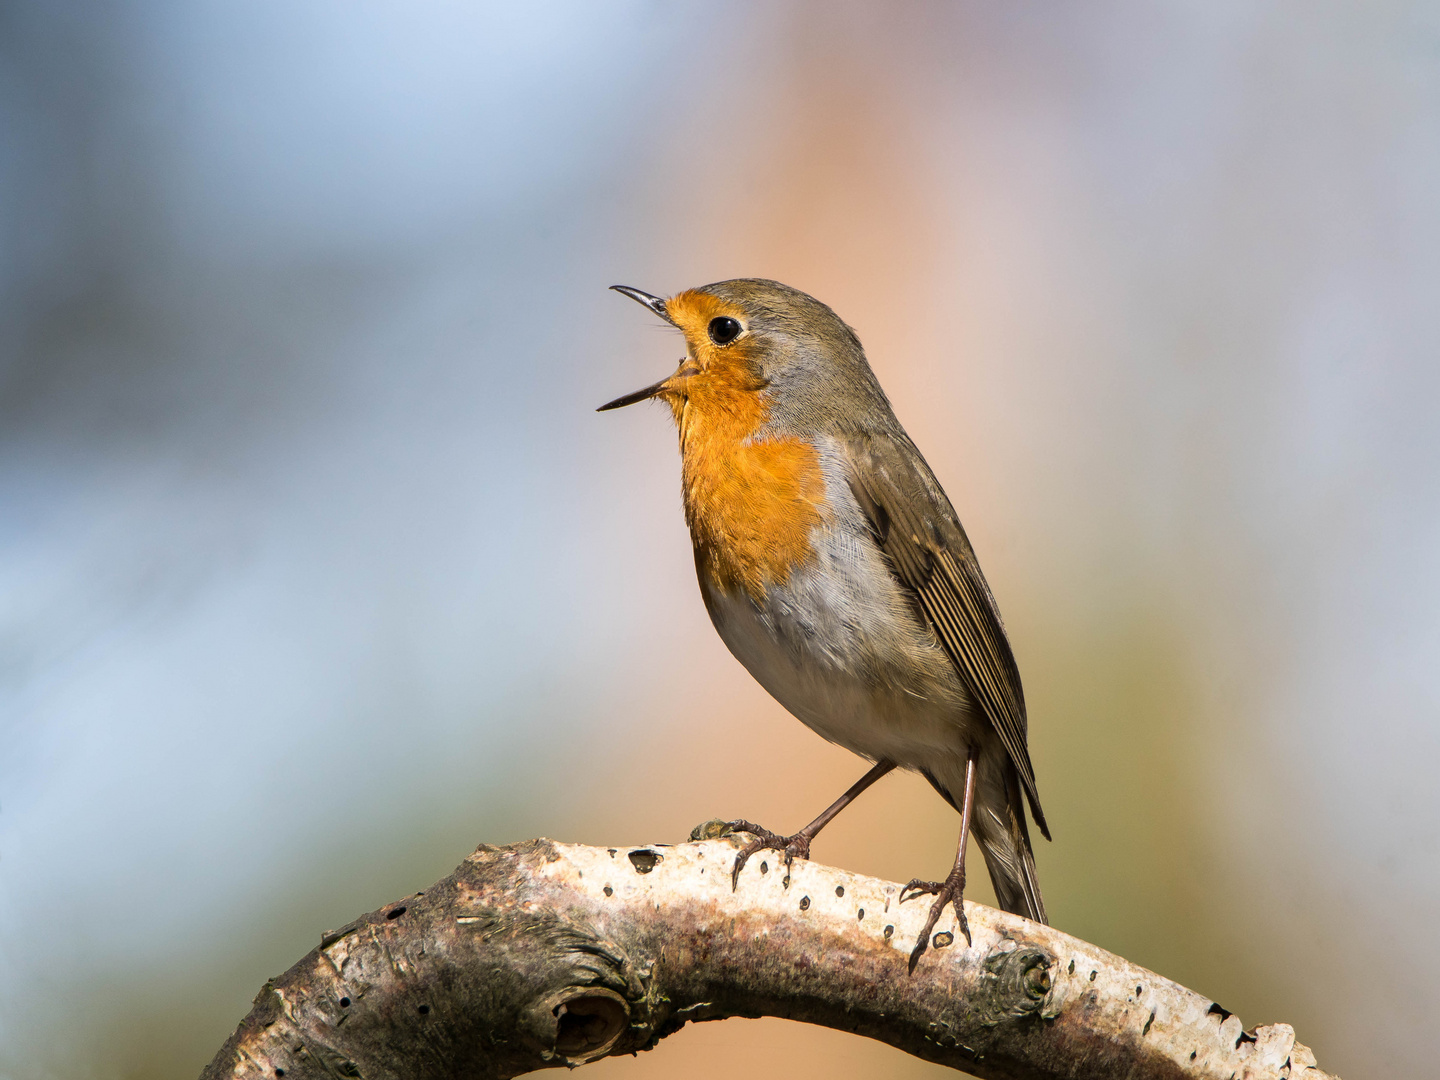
<point>1006,847</point>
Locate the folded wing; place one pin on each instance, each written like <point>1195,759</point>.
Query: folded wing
<point>918,530</point>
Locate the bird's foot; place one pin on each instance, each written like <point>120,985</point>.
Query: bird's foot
<point>945,892</point>
<point>792,847</point>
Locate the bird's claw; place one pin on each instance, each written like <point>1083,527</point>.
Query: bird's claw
<point>916,887</point>
<point>792,847</point>
<point>945,892</point>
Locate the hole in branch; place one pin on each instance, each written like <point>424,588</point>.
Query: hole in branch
<point>588,1023</point>
<point>644,860</point>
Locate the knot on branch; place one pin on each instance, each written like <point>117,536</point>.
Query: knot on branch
<point>1016,983</point>
<point>589,995</point>
<point>583,995</point>
<point>578,1024</point>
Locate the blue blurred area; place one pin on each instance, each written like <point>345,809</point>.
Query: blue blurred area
<point>317,568</point>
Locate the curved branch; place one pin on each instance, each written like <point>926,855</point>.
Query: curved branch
<point>544,954</point>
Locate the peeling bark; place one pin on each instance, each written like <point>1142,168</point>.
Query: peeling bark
<point>545,954</point>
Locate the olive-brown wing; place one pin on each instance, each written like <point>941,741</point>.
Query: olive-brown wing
<point>917,528</point>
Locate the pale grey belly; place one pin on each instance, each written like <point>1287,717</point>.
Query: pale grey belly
<point>839,647</point>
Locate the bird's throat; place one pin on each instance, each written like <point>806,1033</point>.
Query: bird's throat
<point>751,501</point>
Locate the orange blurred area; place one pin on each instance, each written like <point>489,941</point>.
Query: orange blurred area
<point>766,1047</point>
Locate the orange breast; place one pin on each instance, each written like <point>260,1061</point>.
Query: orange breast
<point>750,505</point>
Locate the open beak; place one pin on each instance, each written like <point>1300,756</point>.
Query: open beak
<point>654,303</point>
<point>631,399</point>
<point>657,305</point>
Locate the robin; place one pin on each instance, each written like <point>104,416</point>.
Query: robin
<point>835,569</point>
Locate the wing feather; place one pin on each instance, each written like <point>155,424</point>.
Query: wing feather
<point>918,530</point>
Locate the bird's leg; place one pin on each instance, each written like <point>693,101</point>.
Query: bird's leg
<point>798,846</point>
<point>948,891</point>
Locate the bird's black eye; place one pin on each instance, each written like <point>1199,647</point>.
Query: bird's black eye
<point>724,330</point>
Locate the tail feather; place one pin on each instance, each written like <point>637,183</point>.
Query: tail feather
<point>1011,861</point>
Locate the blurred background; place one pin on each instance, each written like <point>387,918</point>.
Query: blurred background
<point>317,567</point>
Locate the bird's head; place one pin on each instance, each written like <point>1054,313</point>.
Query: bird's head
<point>757,346</point>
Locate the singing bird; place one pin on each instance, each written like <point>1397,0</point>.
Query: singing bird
<point>836,570</point>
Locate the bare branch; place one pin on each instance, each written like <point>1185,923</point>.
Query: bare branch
<point>546,954</point>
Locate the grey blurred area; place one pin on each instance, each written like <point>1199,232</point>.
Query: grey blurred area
<point>317,568</point>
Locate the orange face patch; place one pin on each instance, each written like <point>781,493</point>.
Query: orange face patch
<point>750,505</point>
